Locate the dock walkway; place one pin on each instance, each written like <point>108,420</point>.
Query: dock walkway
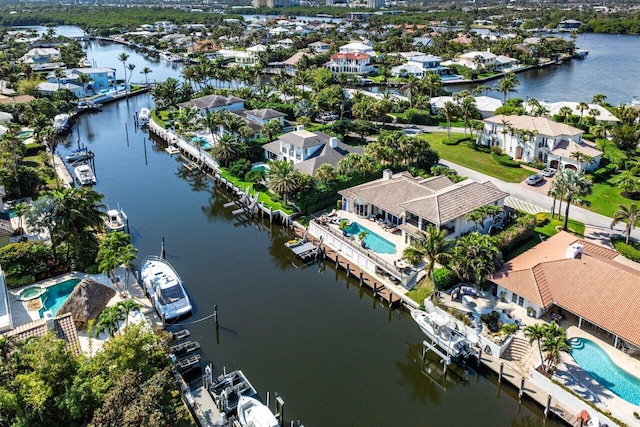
<point>63,173</point>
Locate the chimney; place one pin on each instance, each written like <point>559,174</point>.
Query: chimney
<point>300,127</point>
<point>387,174</point>
<point>333,141</point>
<point>575,251</point>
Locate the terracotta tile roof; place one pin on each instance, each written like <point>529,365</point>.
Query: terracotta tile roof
<point>350,56</point>
<point>594,287</point>
<point>63,326</point>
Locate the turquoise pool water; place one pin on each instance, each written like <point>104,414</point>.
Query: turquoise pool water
<point>203,143</point>
<point>24,134</point>
<point>263,168</point>
<point>373,241</point>
<point>56,295</point>
<point>597,363</point>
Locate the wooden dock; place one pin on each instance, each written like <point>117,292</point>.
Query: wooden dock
<point>526,388</point>
<point>62,172</point>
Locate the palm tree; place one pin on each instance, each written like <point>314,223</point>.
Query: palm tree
<point>186,122</point>
<point>630,215</point>
<point>412,84</point>
<point>598,98</point>
<point>131,67</point>
<point>326,173</point>
<point>59,74</point>
<point>565,112</point>
<point>555,341</point>
<point>572,184</point>
<point>225,150</point>
<point>431,245</point>
<point>468,110</point>
<point>536,332</point>
<point>271,129</point>
<point>283,178</point>
<point>83,79</point>
<point>582,106</point>
<point>432,82</point>
<point>474,257</point>
<point>581,158</point>
<point>449,111</point>
<point>146,71</point>
<point>507,85</point>
<point>123,58</point>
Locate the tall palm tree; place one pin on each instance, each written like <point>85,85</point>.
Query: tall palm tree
<point>432,82</point>
<point>536,332</point>
<point>555,342</point>
<point>630,215</point>
<point>411,86</point>
<point>326,173</point>
<point>565,112</point>
<point>146,71</point>
<point>572,184</point>
<point>431,245</point>
<point>283,178</point>
<point>581,158</point>
<point>123,58</point>
<point>449,111</point>
<point>131,67</point>
<point>83,79</point>
<point>59,74</point>
<point>598,98</point>
<point>507,85</point>
<point>582,107</point>
<point>468,110</point>
<point>474,257</point>
<point>225,150</point>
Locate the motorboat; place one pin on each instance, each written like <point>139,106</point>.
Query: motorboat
<point>84,174</point>
<point>253,413</point>
<point>164,288</point>
<point>79,154</point>
<point>172,149</point>
<point>437,328</point>
<point>84,62</point>
<point>61,122</point>
<point>116,220</point>
<point>144,116</point>
<point>228,388</point>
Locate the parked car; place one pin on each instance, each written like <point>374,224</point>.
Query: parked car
<point>534,179</point>
<point>548,172</point>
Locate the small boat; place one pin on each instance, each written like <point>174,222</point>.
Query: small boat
<point>184,348</point>
<point>164,288</point>
<point>116,220</point>
<point>186,362</point>
<point>84,62</point>
<point>84,174</point>
<point>61,123</point>
<point>635,101</point>
<point>253,413</point>
<point>144,116</point>
<point>180,335</point>
<point>79,154</point>
<point>437,328</point>
<point>227,389</point>
<point>172,149</point>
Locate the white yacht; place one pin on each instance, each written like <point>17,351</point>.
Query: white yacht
<point>144,116</point>
<point>116,220</point>
<point>164,288</point>
<point>437,328</point>
<point>84,174</point>
<point>61,122</point>
<point>253,413</point>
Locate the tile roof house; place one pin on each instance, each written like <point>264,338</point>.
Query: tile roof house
<point>351,63</point>
<point>580,277</point>
<point>63,326</point>
<point>413,203</point>
<point>543,139</point>
<point>308,150</point>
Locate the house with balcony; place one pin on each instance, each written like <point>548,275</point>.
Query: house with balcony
<point>99,78</point>
<point>475,60</point>
<point>319,47</point>
<point>350,63</point>
<point>358,48</point>
<point>413,203</point>
<point>308,150</point>
<point>531,139</point>
<point>580,278</point>
<point>419,66</point>
<point>41,55</point>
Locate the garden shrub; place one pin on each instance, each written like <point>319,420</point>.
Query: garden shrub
<point>541,219</point>
<point>444,278</point>
<point>24,259</point>
<point>447,141</point>
<point>33,149</point>
<point>416,116</point>
<point>254,176</point>
<point>510,329</point>
<point>497,150</point>
<point>635,171</point>
<point>630,251</point>
<point>601,175</point>
<point>239,168</point>
<point>505,160</point>
<point>515,234</point>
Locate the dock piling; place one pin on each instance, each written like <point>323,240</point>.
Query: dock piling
<point>521,392</point>
<point>126,131</point>
<point>501,372</point>
<point>215,314</point>
<point>361,278</point>
<point>548,407</point>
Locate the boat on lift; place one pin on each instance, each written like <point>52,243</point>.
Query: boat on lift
<point>164,288</point>
<point>61,123</point>
<point>116,220</point>
<point>253,413</point>
<point>439,331</point>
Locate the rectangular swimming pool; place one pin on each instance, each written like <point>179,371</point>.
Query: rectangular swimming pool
<point>373,241</point>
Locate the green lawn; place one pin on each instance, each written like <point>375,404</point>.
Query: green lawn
<point>464,155</point>
<point>605,197</point>
<point>264,197</point>
<point>421,291</point>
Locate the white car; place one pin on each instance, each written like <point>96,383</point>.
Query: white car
<point>548,172</point>
<point>534,179</point>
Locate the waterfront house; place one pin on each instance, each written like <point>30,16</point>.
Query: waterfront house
<point>530,139</point>
<point>475,60</point>
<point>350,63</point>
<point>357,48</point>
<point>41,55</point>
<point>209,103</point>
<point>581,278</point>
<point>486,104</point>
<point>100,78</point>
<point>412,203</point>
<point>597,112</point>
<point>319,47</point>
<point>418,66</point>
<point>308,150</point>
<point>47,88</point>
<point>62,326</point>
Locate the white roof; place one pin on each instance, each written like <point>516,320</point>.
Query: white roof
<point>257,48</point>
<point>5,117</point>
<point>484,103</point>
<point>409,68</point>
<point>604,116</point>
<point>52,87</point>
<point>473,54</point>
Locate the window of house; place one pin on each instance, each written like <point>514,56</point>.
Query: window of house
<point>514,298</point>
<point>521,301</point>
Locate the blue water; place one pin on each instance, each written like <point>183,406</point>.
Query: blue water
<point>203,143</point>
<point>56,295</point>
<point>597,363</point>
<point>373,241</point>
<point>263,168</point>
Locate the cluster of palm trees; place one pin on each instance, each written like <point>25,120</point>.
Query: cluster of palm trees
<point>472,257</point>
<point>551,341</point>
<point>116,251</point>
<point>567,186</point>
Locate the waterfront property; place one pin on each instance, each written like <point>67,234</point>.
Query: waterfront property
<point>55,296</point>
<point>350,63</point>
<point>308,150</point>
<point>99,79</point>
<point>531,139</point>
<point>410,204</point>
<point>580,278</point>
<point>486,104</point>
<point>419,66</point>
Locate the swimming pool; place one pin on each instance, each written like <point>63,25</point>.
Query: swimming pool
<point>203,143</point>
<point>260,167</point>
<point>597,363</point>
<point>25,134</point>
<point>56,295</point>
<point>373,241</point>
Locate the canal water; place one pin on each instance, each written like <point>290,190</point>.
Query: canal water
<point>336,355</point>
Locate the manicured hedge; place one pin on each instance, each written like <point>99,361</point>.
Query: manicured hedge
<point>505,161</point>
<point>630,251</point>
<point>444,278</point>
<point>514,235</point>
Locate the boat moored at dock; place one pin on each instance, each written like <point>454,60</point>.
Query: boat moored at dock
<point>164,288</point>
<point>437,328</point>
<point>61,123</point>
<point>253,413</point>
<point>144,116</point>
<point>79,154</point>
<point>116,220</point>
<point>84,174</point>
